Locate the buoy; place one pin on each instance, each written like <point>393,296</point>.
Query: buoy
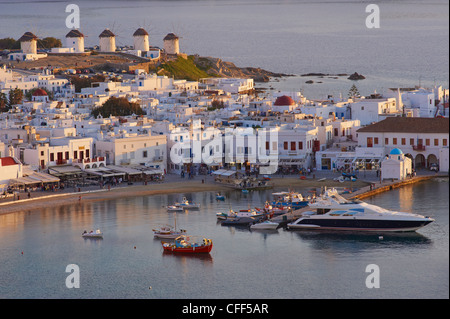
<point>380,237</point>
<point>22,252</point>
<point>134,247</point>
<point>150,287</point>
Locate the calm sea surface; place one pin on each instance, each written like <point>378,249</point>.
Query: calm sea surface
<point>243,263</point>
<point>410,48</point>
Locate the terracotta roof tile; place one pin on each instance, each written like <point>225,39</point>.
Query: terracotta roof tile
<point>409,125</point>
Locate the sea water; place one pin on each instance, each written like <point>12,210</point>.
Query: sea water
<point>37,246</point>
<point>294,37</point>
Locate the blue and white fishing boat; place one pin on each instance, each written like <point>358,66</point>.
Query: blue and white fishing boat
<point>289,199</point>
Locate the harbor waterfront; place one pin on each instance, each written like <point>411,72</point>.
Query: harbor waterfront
<point>37,245</point>
<point>242,152</point>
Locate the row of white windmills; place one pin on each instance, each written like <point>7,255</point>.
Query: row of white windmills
<point>107,43</point>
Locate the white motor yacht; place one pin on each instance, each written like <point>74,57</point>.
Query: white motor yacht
<point>333,212</point>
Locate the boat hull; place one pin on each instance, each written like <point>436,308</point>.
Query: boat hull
<point>264,226</point>
<point>352,224</point>
<point>187,250</point>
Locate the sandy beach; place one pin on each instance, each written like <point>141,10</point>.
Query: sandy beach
<point>172,185</point>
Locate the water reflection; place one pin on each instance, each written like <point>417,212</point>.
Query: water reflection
<point>360,241</point>
<point>183,258</point>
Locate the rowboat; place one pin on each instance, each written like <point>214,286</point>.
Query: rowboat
<point>92,234</point>
<point>189,244</point>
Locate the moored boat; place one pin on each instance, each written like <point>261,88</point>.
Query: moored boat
<point>189,244</point>
<point>231,214</point>
<point>185,204</point>
<point>173,208</point>
<point>331,211</point>
<point>92,234</point>
<point>267,224</point>
<point>167,232</point>
<point>289,199</point>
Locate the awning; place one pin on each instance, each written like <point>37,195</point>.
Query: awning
<point>126,170</point>
<point>224,172</point>
<point>64,170</point>
<point>154,172</point>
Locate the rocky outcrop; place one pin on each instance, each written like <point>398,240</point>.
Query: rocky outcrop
<point>218,67</point>
<point>356,76</point>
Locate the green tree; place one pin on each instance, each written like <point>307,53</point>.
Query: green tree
<point>15,97</point>
<point>4,105</point>
<point>9,44</point>
<point>117,107</point>
<point>353,92</point>
<point>49,42</point>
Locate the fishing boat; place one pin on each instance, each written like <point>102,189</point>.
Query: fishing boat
<point>241,213</point>
<point>273,211</point>
<point>92,234</point>
<point>189,244</point>
<point>168,231</point>
<point>289,199</point>
<point>185,204</point>
<point>331,211</point>
<point>173,208</point>
<point>267,224</point>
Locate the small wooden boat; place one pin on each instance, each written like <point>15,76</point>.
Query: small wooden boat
<point>167,232</point>
<point>173,208</point>
<point>189,244</point>
<point>231,214</point>
<point>92,234</point>
<point>185,204</point>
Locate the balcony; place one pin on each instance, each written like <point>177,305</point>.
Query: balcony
<point>419,148</point>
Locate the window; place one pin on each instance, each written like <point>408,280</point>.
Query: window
<point>274,146</point>
<point>419,141</point>
<point>293,146</point>
<point>386,141</point>
<point>285,145</point>
<point>336,132</point>
<point>267,145</point>
<point>52,157</point>
<point>369,142</point>
<point>144,154</point>
<point>403,141</point>
<point>436,142</point>
<point>444,142</point>
<point>427,142</point>
<point>411,141</point>
<point>376,141</point>
<point>394,141</point>
<point>300,145</point>
<point>67,155</point>
<point>75,154</point>
<point>87,153</point>
<point>42,153</point>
